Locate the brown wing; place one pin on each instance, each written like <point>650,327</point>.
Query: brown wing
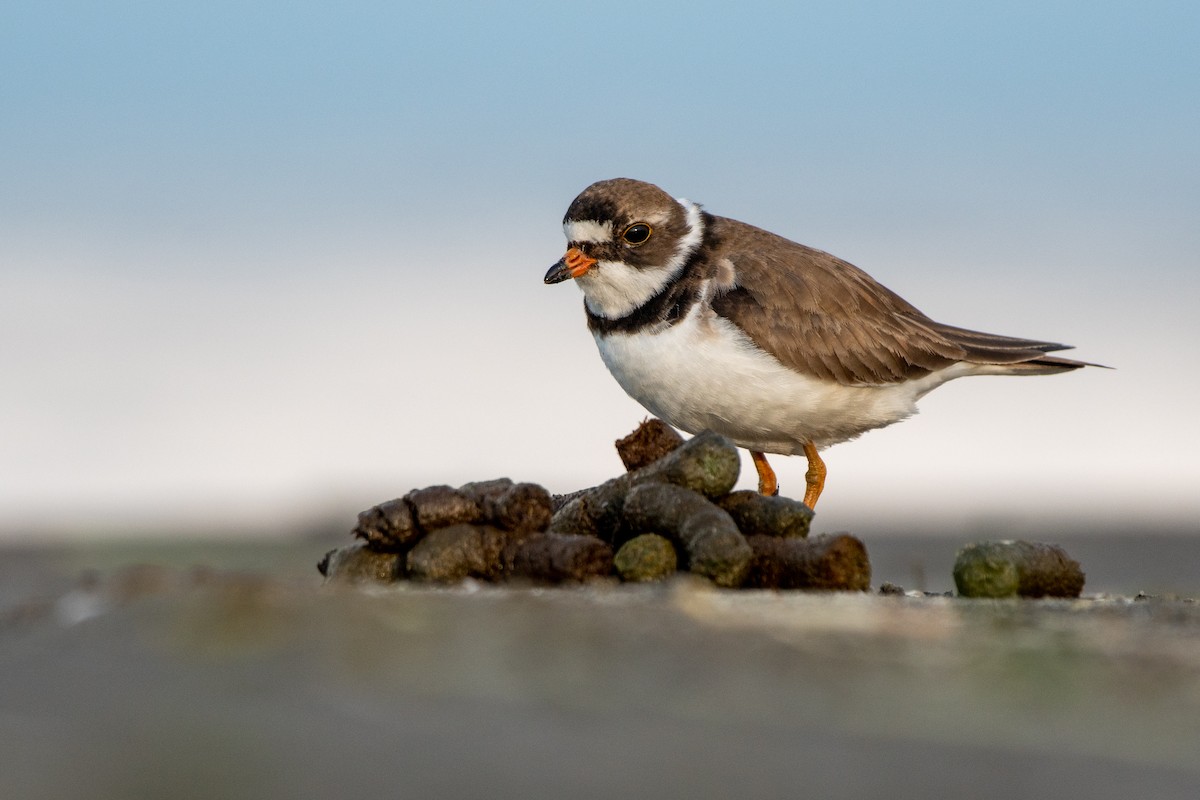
<point>825,317</point>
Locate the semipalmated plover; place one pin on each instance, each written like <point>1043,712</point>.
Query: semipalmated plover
<point>711,323</point>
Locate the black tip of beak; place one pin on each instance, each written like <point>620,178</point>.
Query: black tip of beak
<point>559,272</point>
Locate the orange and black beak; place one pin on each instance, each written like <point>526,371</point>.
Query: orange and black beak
<point>572,265</point>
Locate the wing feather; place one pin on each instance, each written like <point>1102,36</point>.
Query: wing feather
<point>825,317</point>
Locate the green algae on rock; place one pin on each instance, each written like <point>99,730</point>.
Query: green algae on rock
<point>648,557</point>
<point>1016,569</point>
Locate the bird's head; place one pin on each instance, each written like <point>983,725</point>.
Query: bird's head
<point>626,240</point>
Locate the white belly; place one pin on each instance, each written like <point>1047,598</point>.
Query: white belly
<point>704,373</point>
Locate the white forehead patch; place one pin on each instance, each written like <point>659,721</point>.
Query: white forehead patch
<point>588,230</point>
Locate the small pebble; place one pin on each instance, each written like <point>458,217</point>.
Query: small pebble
<point>648,557</point>
<point>762,515</point>
<point>447,555</point>
<point>358,563</point>
<point>828,562</point>
<point>388,526</point>
<point>652,440</point>
<point>441,506</point>
<point>559,557</point>
<point>523,507</point>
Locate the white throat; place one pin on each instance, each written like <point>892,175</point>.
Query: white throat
<point>613,289</point>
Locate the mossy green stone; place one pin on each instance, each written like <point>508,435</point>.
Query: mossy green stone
<point>648,557</point>
<point>987,569</point>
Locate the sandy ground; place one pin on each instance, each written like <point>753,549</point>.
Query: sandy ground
<point>229,671</point>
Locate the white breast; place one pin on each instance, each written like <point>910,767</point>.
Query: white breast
<point>705,373</point>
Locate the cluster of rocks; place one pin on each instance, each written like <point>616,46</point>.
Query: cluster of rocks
<point>673,509</point>
<point>491,530</point>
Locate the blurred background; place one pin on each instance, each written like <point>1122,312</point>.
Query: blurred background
<point>264,266</point>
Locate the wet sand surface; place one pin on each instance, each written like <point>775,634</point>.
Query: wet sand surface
<point>228,670</point>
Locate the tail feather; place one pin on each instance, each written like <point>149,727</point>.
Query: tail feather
<point>1047,365</point>
<point>1011,355</point>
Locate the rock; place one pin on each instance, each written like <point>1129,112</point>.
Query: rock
<point>711,544</point>
<point>388,527</point>
<point>762,515</point>
<point>1016,569</point>
<point>448,555</point>
<point>442,506</point>
<point>648,557</point>
<point>828,562</point>
<point>557,557</point>
<point>523,507</point>
<point>358,563</point>
<point>649,442</point>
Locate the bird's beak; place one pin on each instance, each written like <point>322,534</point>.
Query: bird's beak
<point>572,265</point>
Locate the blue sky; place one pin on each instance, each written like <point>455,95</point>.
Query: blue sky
<point>273,260</point>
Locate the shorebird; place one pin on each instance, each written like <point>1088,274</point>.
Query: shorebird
<point>711,323</point>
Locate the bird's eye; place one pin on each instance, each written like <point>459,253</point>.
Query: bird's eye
<point>637,233</point>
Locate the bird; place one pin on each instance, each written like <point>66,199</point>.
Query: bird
<point>715,324</point>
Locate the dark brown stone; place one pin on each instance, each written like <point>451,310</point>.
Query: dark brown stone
<point>649,442</point>
<point>558,557</point>
<point>441,506</point>
<point>523,508</point>
<point>828,562</point>
<point>450,554</point>
<point>388,527</point>
<point>764,515</point>
<point>482,491</point>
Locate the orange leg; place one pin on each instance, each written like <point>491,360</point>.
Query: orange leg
<point>815,477</point>
<point>766,476</point>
